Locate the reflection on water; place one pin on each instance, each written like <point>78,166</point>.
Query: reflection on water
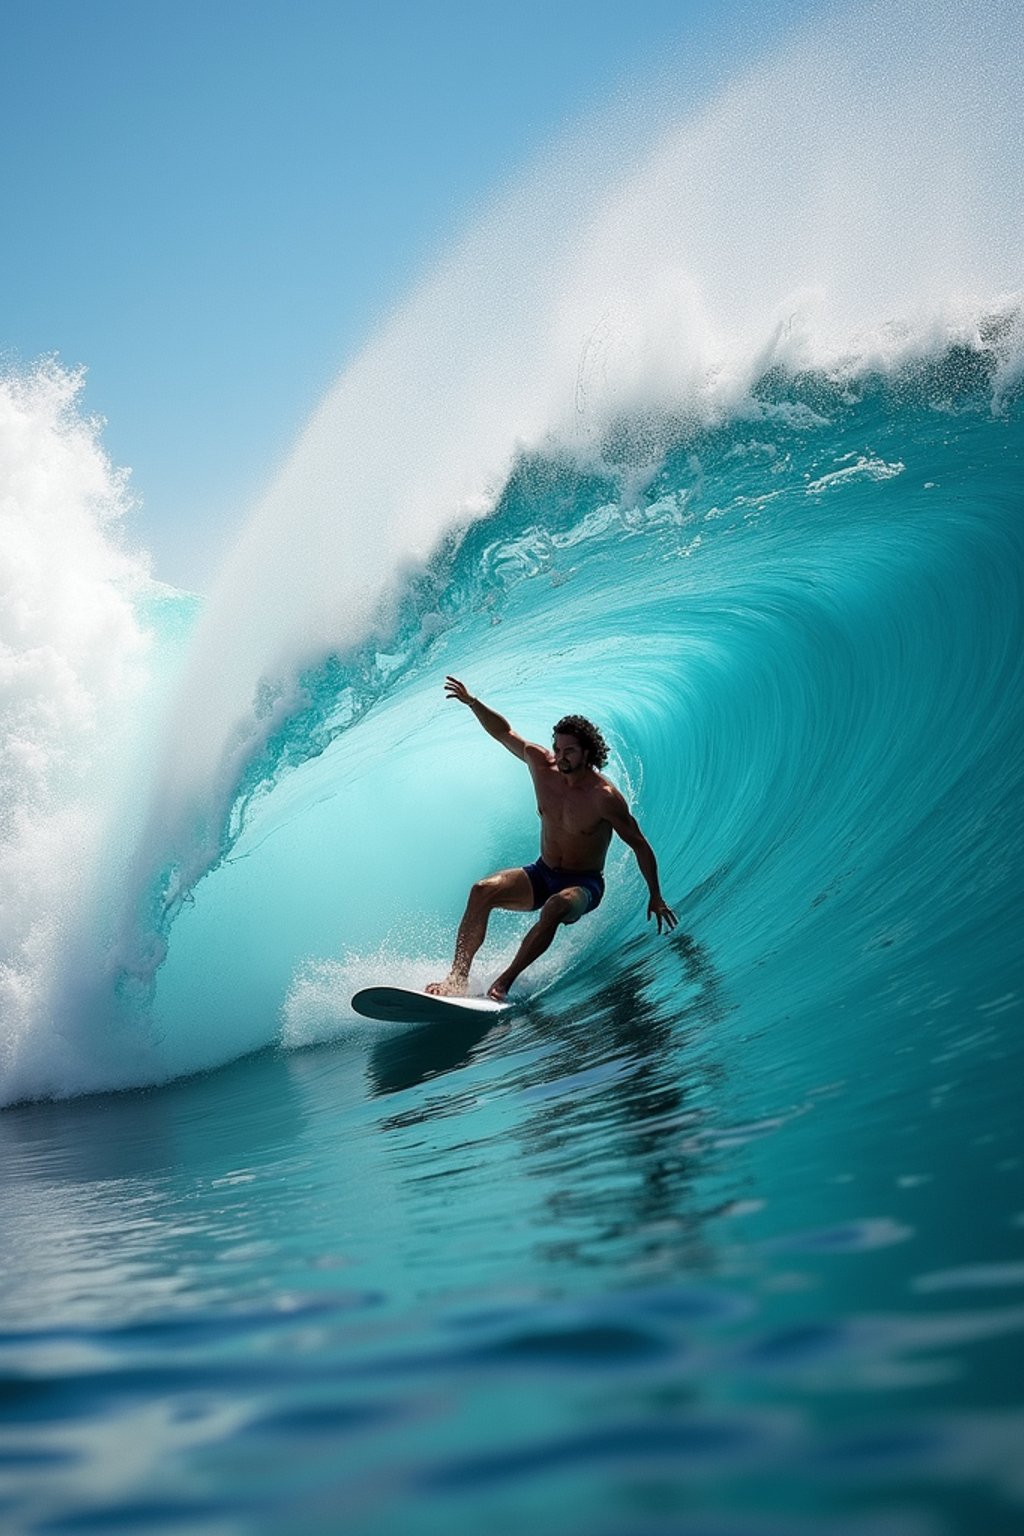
<point>606,1111</point>
<point>585,1268</point>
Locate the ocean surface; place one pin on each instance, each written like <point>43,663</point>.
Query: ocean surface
<point>718,1233</point>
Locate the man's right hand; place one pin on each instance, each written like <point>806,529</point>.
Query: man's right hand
<point>458,691</point>
<point>494,724</point>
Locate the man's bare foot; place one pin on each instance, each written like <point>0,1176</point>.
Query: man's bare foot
<point>498,992</point>
<point>452,986</point>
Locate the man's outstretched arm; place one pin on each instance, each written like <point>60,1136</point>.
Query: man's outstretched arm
<point>627,827</point>
<point>494,724</point>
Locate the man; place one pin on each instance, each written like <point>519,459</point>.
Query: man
<point>579,810</point>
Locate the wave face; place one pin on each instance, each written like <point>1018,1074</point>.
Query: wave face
<point>802,638</point>
<point>800,629</point>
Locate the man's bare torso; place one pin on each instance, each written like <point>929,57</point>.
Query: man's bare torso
<point>574,831</point>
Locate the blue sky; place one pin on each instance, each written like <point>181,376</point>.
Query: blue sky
<point>210,203</point>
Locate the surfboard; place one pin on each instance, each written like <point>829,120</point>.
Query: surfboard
<point>403,1005</point>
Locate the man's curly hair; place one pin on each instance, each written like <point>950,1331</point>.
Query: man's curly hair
<point>588,736</point>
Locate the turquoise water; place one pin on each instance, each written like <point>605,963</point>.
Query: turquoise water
<point>720,1234</point>
<point>710,428</point>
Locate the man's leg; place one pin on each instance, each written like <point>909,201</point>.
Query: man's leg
<point>566,907</point>
<point>509,888</point>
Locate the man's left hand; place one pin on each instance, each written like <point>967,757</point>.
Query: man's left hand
<point>659,908</point>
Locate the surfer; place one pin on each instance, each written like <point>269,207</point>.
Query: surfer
<point>579,809</point>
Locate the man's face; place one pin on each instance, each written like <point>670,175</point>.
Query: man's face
<point>569,755</point>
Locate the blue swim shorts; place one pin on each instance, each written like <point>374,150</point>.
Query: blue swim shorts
<point>548,882</point>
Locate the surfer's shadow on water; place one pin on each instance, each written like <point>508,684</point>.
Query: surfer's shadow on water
<point>411,1056</point>
<point>622,1009</point>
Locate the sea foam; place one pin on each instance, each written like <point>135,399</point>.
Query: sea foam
<point>73,657</point>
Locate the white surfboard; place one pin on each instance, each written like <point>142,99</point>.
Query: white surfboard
<point>403,1005</point>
